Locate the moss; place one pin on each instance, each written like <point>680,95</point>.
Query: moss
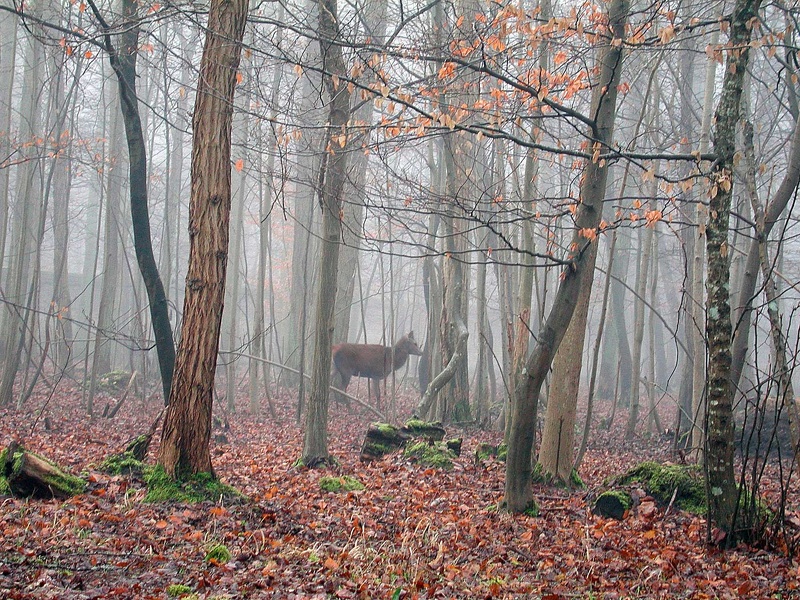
<point>661,481</point>
<point>420,428</point>
<point>415,424</point>
<point>75,485</point>
<point>178,589</point>
<point>122,464</point>
<point>218,554</point>
<point>532,510</point>
<point>539,476</point>
<point>385,428</point>
<point>378,449</point>
<point>62,480</point>
<point>5,490</point>
<point>575,480</point>
<point>197,488</point>
<point>345,483</point>
<point>436,454</point>
<point>502,452</point>
<point>485,451</point>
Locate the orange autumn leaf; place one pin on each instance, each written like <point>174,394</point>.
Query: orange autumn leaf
<point>239,165</point>
<point>653,217</point>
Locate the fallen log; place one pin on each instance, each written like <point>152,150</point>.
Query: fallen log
<point>31,475</point>
<point>383,438</point>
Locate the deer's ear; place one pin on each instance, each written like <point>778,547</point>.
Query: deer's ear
<point>411,334</point>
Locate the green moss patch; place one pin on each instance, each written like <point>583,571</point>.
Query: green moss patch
<point>661,481</point>
<point>28,474</point>
<point>346,483</point>
<point>219,554</point>
<point>122,464</point>
<point>177,590</point>
<point>435,454</point>
<point>423,429</point>
<point>486,451</point>
<point>197,488</point>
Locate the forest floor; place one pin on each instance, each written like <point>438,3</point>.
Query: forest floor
<point>414,532</point>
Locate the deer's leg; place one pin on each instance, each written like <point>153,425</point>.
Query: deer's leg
<point>377,384</point>
<point>341,381</point>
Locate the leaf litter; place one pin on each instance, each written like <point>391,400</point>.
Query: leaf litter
<point>414,532</point>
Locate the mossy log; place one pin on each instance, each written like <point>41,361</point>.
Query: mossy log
<point>612,504</point>
<point>383,438</point>
<point>30,475</point>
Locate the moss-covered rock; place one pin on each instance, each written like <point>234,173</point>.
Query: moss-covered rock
<point>345,483</point>
<point>661,481</point>
<point>384,438</point>
<point>418,428</point>
<point>198,488</point>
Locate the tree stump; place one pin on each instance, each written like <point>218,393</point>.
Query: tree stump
<point>30,475</point>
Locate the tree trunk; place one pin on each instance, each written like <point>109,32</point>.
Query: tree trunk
<point>332,178</point>
<point>187,425</point>
<point>645,249</point>
<point>304,242</point>
<point>578,273</point>
<point>556,453</point>
<point>723,492</point>
<point>124,64</point>
<point>25,239</point>
<point>8,57</point>
<point>783,369</point>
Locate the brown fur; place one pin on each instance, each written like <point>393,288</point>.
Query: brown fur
<point>372,360</point>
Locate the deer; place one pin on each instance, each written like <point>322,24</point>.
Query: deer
<point>374,361</point>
